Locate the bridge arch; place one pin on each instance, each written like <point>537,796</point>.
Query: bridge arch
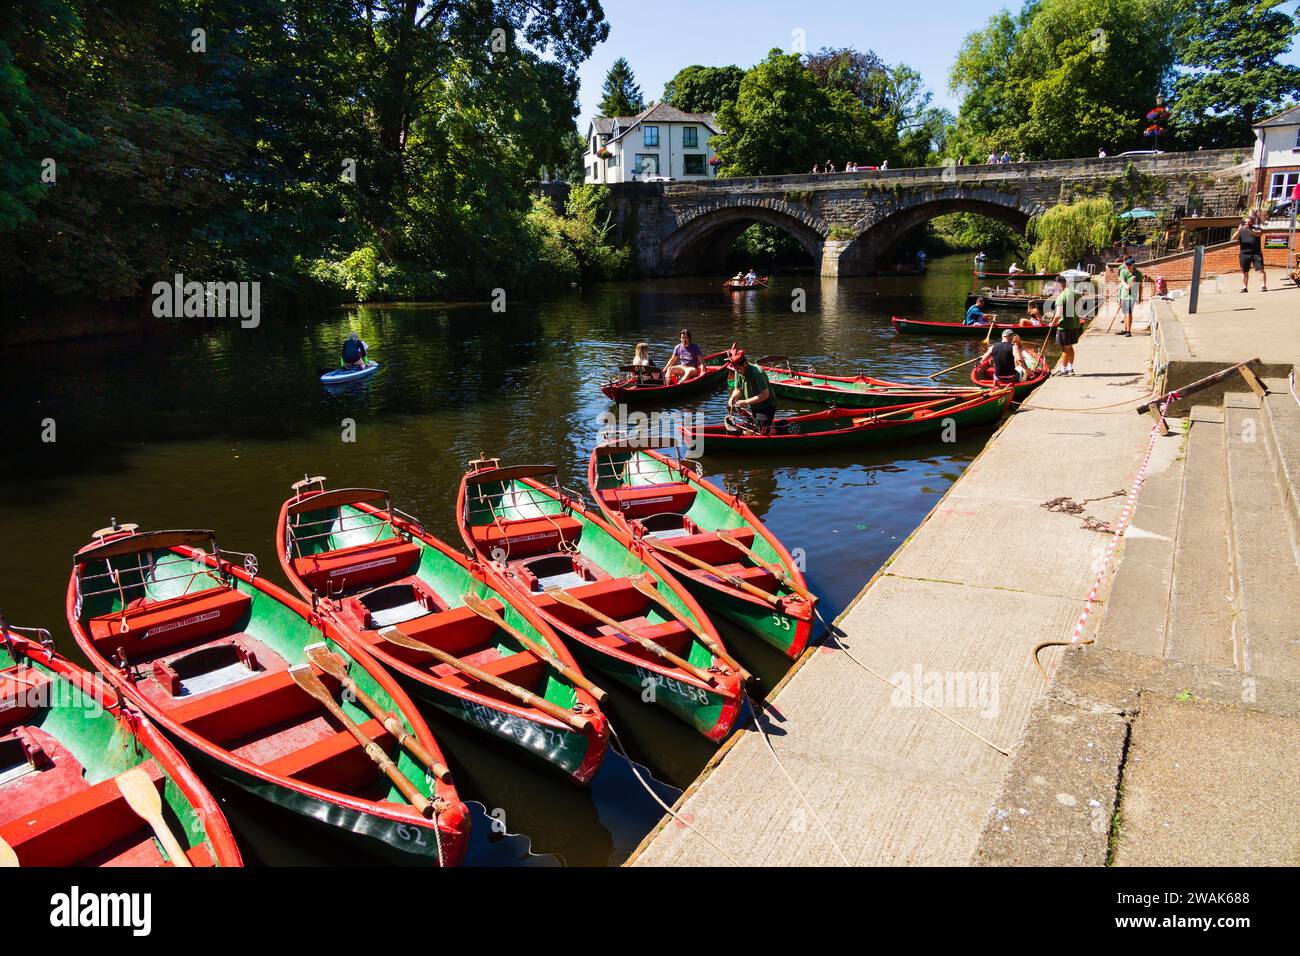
<point>706,231</point>
<point>883,227</point>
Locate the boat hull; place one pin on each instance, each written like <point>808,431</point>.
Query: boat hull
<point>630,394</point>
<point>915,327</point>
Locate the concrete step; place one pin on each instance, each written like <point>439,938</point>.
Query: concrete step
<point>1282,415</point>
<point>1267,577</point>
<point>1201,594</point>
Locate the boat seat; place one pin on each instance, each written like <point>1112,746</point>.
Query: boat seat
<point>155,627</point>
<point>708,547</point>
<point>66,831</point>
<point>233,712</point>
<point>521,537</point>
<point>336,761</point>
<point>20,691</point>
<point>391,604</point>
<point>361,566</point>
<point>642,500</point>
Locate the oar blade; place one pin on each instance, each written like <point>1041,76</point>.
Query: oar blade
<point>8,858</point>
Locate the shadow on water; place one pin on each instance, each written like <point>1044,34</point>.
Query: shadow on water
<point>207,427</point>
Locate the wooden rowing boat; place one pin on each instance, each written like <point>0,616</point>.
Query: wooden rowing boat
<point>221,660</point>
<point>605,593</point>
<point>919,327</point>
<point>1038,372</point>
<point>668,506</point>
<point>627,387</point>
<point>840,428</point>
<point>65,743</point>
<point>373,569</point>
<point>1014,276</point>
<point>852,391</point>
<point>731,285</point>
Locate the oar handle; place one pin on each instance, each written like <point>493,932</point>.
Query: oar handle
<point>731,579</point>
<point>642,584</point>
<point>525,697</point>
<point>653,647</point>
<point>481,608</point>
<point>305,678</point>
<point>778,572</point>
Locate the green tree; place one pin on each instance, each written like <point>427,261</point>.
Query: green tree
<point>1065,233</point>
<point>620,96</point>
<point>1063,78</point>
<point>1229,75</point>
<point>703,89</point>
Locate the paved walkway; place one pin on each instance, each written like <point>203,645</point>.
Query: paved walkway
<point>891,780</point>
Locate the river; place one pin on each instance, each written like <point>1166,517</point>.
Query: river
<point>207,427</point>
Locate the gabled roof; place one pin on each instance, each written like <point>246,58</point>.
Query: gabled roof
<point>617,126</point>
<point>1289,117</point>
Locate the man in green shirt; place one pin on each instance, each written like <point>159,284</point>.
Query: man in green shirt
<point>750,390</point>
<point>1070,327</point>
<point>1130,288</point>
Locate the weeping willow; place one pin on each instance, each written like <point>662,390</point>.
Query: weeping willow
<point>1065,233</point>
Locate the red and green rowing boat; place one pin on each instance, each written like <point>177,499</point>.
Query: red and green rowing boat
<point>631,385</point>
<point>256,686</point>
<point>438,623</point>
<point>70,758</point>
<point>751,579</point>
<point>1038,372</point>
<point>851,391</point>
<point>916,326</point>
<point>604,592</point>
<point>841,428</point>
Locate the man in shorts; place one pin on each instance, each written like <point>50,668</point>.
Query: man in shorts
<point>1070,327</point>
<point>1250,253</point>
<point>1130,286</point>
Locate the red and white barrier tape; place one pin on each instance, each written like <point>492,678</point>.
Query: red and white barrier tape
<point>1130,505</point>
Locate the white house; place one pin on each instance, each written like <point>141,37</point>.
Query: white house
<point>661,141</point>
<point>1277,156</point>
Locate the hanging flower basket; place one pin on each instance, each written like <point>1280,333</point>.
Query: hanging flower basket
<point>604,152</point>
<point>715,160</point>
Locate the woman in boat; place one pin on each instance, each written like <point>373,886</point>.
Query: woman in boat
<point>1006,358</point>
<point>354,351</point>
<point>687,360</point>
<point>1033,318</point>
<point>751,391</point>
<point>642,368</point>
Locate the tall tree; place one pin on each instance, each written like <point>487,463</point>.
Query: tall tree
<point>620,96</point>
<point>1230,75</point>
<point>703,89</point>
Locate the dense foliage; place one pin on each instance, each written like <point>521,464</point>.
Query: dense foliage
<point>620,96</point>
<point>321,146</point>
<point>1067,232</point>
<point>703,89</point>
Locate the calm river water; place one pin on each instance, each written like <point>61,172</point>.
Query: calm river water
<point>207,427</point>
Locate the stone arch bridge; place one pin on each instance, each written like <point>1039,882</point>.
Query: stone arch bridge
<point>849,223</point>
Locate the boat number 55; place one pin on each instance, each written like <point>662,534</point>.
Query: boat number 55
<point>781,621</point>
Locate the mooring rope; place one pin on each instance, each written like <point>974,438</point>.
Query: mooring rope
<point>834,632</point>
<point>754,709</point>
<point>654,796</point>
<point>1130,505</point>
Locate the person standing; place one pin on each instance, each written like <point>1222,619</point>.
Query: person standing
<point>1250,253</point>
<point>1130,289</point>
<point>1070,327</point>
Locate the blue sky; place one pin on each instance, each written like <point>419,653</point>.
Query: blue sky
<point>659,37</point>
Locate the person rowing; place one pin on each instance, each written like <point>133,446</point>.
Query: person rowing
<point>355,351</point>
<point>751,277</point>
<point>1007,359</point>
<point>686,362</point>
<point>976,315</point>
<point>750,393</point>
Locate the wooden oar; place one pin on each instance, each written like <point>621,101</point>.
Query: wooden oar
<point>142,796</point>
<point>644,584</point>
<point>704,566</point>
<point>331,664</point>
<point>484,610</point>
<point>567,599</point>
<point>775,570</point>
<point>8,857</point>
<point>306,678</point>
<point>525,697</point>
<point>952,368</point>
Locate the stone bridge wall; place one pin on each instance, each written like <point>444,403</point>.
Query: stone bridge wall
<point>848,222</point>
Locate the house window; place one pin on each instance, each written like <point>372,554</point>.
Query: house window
<point>651,135</point>
<point>693,164</point>
<point>647,164</point>
<point>611,162</point>
<point>1281,185</point>
<point>690,137</point>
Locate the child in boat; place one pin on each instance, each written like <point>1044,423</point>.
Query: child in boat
<point>643,369</point>
<point>687,360</point>
<point>1035,317</point>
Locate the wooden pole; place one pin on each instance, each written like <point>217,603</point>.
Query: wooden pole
<point>704,566</point>
<point>331,664</point>
<point>778,572</point>
<point>567,599</point>
<point>1196,386</point>
<point>644,584</point>
<point>525,697</point>
<point>142,796</point>
<point>483,610</point>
